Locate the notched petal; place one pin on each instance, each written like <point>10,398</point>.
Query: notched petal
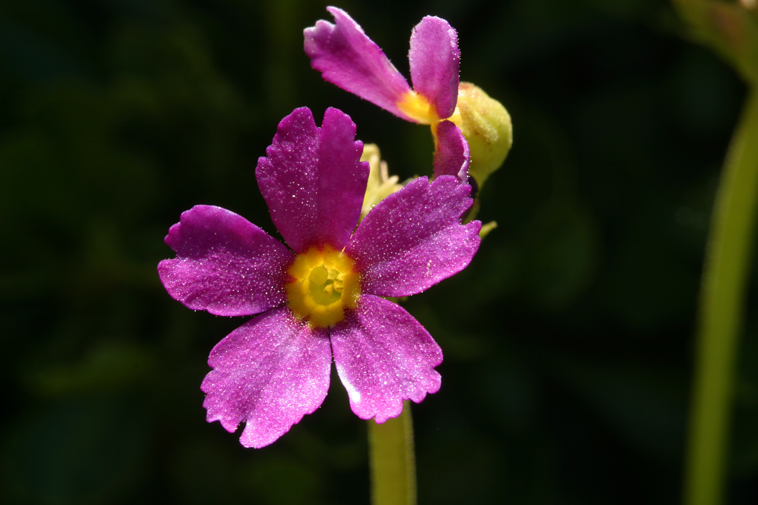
<point>346,57</point>
<point>414,238</point>
<point>313,180</point>
<point>225,264</point>
<point>268,373</point>
<point>384,356</point>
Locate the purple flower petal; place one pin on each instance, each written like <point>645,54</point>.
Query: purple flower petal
<point>313,180</point>
<point>435,62</point>
<point>384,356</point>
<point>413,239</point>
<point>452,154</point>
<point>345,56</point>
<point>268,373</point>
<point>225,264</point>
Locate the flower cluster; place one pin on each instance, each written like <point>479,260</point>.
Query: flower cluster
<point>322,297</point>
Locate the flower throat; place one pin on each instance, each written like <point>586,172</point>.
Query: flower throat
<point>324,283</point>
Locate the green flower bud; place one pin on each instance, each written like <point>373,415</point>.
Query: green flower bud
<point>486,125</point>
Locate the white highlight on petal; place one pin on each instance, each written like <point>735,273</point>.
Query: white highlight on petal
<point>354,394</point>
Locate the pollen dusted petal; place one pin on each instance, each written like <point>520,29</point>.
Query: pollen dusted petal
<point>225,264</point>
<point>452,154</point>
<point>414,239</point>
<point>435,62</point>
<point>268,373</point>
<point>384,356</point>
<point>313,180</point>
<point>346,57</point>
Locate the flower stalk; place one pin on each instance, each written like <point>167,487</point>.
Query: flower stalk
<point>722,303</point>
<point>392,460</point>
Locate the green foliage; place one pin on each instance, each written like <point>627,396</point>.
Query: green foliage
<point>731,28</point>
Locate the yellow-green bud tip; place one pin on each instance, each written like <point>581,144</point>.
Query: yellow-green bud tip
<point>486,125</point>
<point>380,184</point>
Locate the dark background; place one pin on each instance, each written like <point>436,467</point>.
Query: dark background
<point>568,342</point>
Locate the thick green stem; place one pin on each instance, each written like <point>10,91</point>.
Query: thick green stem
<point>393,464</point>
<point>722,299</point>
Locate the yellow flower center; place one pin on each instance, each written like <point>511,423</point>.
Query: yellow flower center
<point>325,282</point>
<point>418,108</point>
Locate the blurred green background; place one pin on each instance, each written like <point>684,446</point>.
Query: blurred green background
<point>568,342</point>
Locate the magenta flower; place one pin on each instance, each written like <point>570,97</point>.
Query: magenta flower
<point>322,297</point>
<point>345,56</point>
<point>459,113</point>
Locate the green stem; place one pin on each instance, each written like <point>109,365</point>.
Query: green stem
<point>721,313</point>
<point>393,465</point>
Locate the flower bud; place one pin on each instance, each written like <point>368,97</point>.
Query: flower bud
<point>486,125</point>
<point>380,185</point>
